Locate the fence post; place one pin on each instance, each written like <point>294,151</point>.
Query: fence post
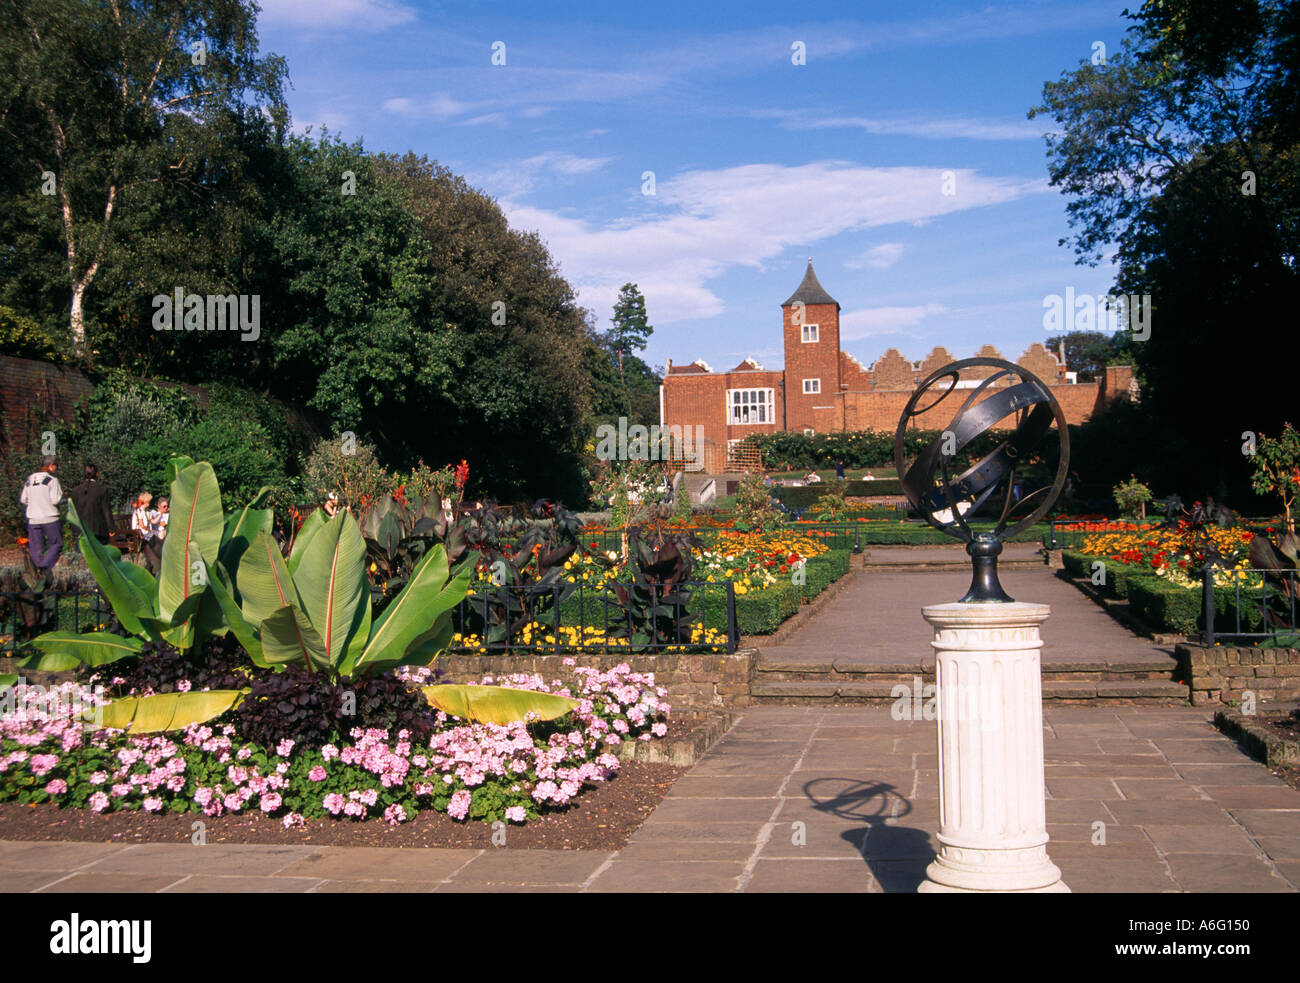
<point>1051,534</point>
<point>1207,588</point>
<point>733,632</point>
<point>857,538</point>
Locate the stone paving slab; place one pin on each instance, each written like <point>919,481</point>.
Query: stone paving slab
<point>848,805</point>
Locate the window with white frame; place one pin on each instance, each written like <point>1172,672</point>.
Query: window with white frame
<point>812,386</point>
<point>809,432</point>
<point>810,333</point>
<point>750,406</point>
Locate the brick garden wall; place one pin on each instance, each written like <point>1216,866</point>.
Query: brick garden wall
<point>694,682</point>
<point>1223,673</point>
<point>32,391</point>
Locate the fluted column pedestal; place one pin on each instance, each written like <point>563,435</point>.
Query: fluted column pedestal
<point>992,813</point>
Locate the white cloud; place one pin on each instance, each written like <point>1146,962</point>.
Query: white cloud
<point>440,105</point>
<point>884,320</point>
<point>567,163</point>
<point>880,257</point>
<point>497,119</point>
<point>517,179</point>
<point>703,222</point>
<point>351,15</point>
<point>930,128</point>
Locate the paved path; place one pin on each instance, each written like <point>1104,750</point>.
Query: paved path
<point>877,618</point>
<point>956,553</point>
<point>1181,807</point>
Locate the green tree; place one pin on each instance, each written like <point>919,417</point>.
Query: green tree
<point>1182,150</point>
<point>1089,352</point>
<point>629,332</point>
<point>505,381</point>
<point>99,101</point>
<point>1277,469</point>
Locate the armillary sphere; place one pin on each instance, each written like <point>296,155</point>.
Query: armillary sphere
<point>1009,393</point>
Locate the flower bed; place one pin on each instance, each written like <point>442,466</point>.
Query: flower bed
<point>469,771</point>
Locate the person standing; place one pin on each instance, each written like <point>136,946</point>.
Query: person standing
<point>160,518</point>
<point>839,470</point>
<point>42,495</point>
<point>91,501</point>
<point>142,523</point>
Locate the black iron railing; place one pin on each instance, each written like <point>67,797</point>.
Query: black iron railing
<point>698,616</point>
<point>1270,603</point>
<point>26,614</point>
<point>694,616</point>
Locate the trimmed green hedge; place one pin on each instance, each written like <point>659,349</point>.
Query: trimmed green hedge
<point>926,535</point>
<point>1179,609</point>
<point>806,496</point>
<point>1118,575</point>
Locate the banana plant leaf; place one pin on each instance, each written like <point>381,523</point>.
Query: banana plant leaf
<point>496,704</point>
<point>242,526</point>
<point>64,650</point>
<point>223,590</point>
<point>175,465</point>
<point>419,613</point>
<point>311,525</point>
<point>289,636</point>
<point>125,591</point>
<point>264,580</point>
<point>196,517</point>
<point>331,580</point>
<point>167,711</point>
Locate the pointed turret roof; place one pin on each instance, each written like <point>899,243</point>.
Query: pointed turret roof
<point>811,291</point>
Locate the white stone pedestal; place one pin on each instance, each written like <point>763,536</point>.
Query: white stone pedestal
<point>992,816</point>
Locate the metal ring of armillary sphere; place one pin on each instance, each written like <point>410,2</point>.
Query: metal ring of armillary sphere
<point>944,498</point>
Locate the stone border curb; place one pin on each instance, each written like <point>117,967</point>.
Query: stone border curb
<point>1258,742</point>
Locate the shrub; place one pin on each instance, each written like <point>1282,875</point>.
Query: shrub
<point>356,478</point>
<point>22,337</point>
<point>753,508</point>
<point>1132,496</point>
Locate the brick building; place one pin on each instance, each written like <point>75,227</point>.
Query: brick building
<point>823,388</point>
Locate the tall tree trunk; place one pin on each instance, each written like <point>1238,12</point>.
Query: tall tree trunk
<point>77,317</point>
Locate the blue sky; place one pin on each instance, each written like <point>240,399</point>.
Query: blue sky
<point>758,163</point>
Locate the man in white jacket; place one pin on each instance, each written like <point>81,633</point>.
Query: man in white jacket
<point>42,495</point>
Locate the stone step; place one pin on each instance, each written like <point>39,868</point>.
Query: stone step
<point>854,670</point>
<point>1144,690</point>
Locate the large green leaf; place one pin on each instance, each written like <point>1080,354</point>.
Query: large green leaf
<point>242,526</point>
<point>496,704</point>
<point>145,582</point>
<point>64,650</point>
<point>331,580</point>
<point>288,636</point>
<point>129,600</point>
<point>313,524</point>
<point>196,517</point>
<point>175,465</point>
<point>263,580</point>
<point>167,711</point>
<point>221,588</point>
<point>8,679</point>
<point>414,614</point>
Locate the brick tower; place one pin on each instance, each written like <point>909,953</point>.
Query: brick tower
<point>811,320</point>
